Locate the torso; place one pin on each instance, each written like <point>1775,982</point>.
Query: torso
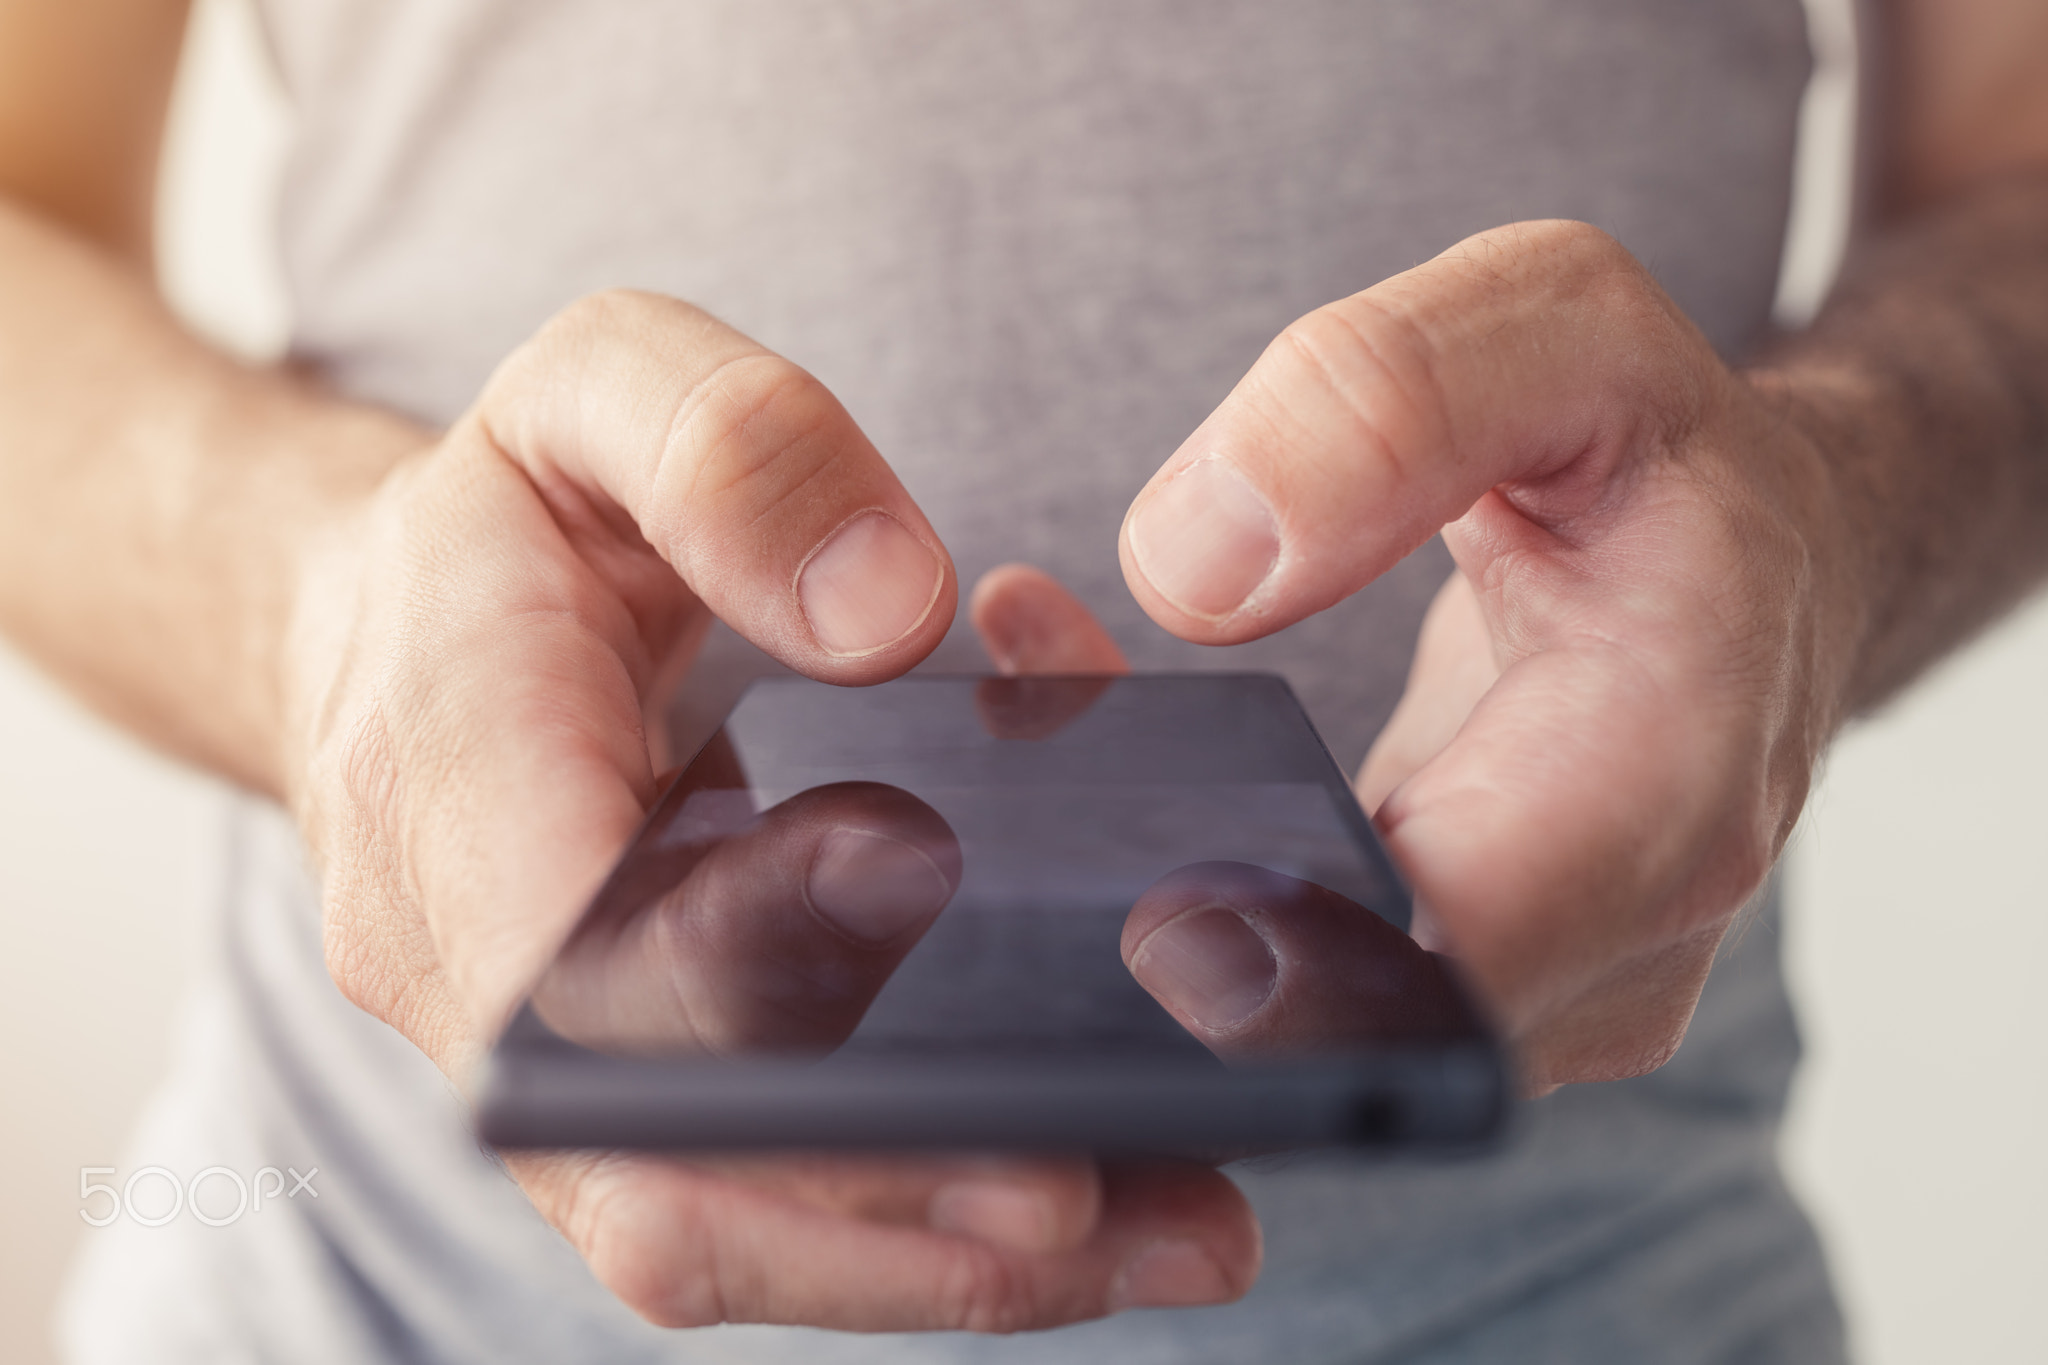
<point>1030,244</point>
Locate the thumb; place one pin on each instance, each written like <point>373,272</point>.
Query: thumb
<point>1540,358</point>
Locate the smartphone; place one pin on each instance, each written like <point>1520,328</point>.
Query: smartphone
<point>908,916</point>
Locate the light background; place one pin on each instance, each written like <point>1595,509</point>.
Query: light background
<point>1919,878</point>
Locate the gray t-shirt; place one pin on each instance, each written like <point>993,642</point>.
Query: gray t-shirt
<point>1029,244</point>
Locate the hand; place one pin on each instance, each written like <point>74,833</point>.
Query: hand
<point>1618,701</point>
<point>480,656</point>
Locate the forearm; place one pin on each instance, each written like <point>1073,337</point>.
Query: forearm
<point>1924,382</point>
<point>157,501</point>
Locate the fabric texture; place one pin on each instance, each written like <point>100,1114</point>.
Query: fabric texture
<point>1030,244</point>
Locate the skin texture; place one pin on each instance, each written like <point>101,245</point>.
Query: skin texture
<point>1649,596</point>
<point>448,652</point>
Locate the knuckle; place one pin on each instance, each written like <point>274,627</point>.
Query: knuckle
<point>1577,255</point>
<point>1651,351</point>
<point>756,433</point>
<point>982,1291</point>
<point>586,336</point>
<point>1592,263</point>
<point>353,788</point>
<point>380,957</point>
<point>749,412</point>
<point>671,1281</point>
<point>1650,1055</point>
<point>1543,252</point>
<point>1378,365</point>
<point>1748,863</point>
<point>375,942</point>
<point>579,328</point>
<point>1582,243</point>
<point>1580,1057</point>
<point>362,770</point>
<point>345,947</point>
<point>610,310</point>
<point>665,1294</point>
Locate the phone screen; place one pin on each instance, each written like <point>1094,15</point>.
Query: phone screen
<point>955,873</point>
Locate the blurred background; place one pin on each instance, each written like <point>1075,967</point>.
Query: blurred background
<point>1919,878</point>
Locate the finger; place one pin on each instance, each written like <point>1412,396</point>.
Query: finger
<point>1537,357</point>
<point>1030,623</point>
<point>1258,964</point>
<point>1453,666</point>
<point>1026,1203</point>
<point>685,1248</point>
<point>739,469</point>
<point>774,938</point>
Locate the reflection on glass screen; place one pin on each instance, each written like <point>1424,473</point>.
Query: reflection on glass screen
<point>945,866</point>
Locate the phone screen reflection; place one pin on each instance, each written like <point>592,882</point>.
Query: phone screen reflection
<point>958,869</point>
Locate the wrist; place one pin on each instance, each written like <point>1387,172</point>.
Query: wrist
<point>1818,421</point>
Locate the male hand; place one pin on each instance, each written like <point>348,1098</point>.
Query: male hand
<point>1619,699</point>
<point>479,660</point>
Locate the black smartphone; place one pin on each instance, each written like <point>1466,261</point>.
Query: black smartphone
<point>905,916</point>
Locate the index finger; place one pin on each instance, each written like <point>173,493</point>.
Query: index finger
<point>648,418</point>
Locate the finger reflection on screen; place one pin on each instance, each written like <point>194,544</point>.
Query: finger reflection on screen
<point>756,933</point>
<point>1036,707</point>
<point>1258,964</point>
